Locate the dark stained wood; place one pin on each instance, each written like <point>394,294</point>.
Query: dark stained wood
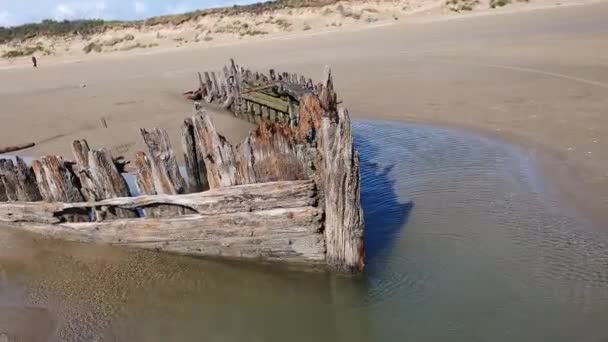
<point>9,179</point>
<point>3,197</point>
<point>195,164</point>
<point>27,187</point>
<point>270,154</point>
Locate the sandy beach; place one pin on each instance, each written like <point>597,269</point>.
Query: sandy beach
<point>535,77</point>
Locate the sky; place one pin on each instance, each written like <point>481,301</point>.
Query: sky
<point>16,12</point>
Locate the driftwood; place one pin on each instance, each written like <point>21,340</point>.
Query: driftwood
<point>15,148</point>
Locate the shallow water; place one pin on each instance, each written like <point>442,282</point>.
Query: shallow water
<point>464,240</point>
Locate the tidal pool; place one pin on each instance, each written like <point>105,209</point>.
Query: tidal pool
<point>465,242</point>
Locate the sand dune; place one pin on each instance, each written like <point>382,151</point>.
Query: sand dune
<point>218,29</point>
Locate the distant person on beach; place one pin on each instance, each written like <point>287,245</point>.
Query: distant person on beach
<point>34,61</point>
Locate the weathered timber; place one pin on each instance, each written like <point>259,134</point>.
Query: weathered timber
<point>3,197</point>
<point>266,100</point>
<point>27,190</point>
<point>290,234</point>
<point>270,221</point>
<point>270,154</point>
<point>195,164</point>
<point>100,179</point>
<point>16,148</point>
<point>144,182</point>
<point>109,184</point>
<point>9,179</point>
<point>165,172</point>
<point>164,169</point>
<point>242,198</point>
<point>57,183</point>
<point>218,153</point>
<point>343,213</point>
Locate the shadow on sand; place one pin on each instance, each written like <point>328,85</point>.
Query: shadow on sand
<point>384,214</point>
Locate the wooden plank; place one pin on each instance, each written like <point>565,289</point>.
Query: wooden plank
<point>55,182</point>
<point>343,213</point>
<point>3,197</point>
<point>217,153</point>
<point>195,164</point>
<point>275,235</point>
<point>145,183</point>
<point>27,187</point>
<point>165,171</point>
<point>242,198</point>
<point>80,150</point>
<point>109,183</point>
<point>100,179</point>
<point>266,100</point>
<point>9,179</point>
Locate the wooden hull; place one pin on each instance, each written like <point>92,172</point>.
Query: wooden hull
<point>268,221</point>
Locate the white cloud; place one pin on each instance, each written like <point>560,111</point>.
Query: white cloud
<point>5,19</point>
<point>80,10</point>
<point>180,7</point>
<point>140,7</point>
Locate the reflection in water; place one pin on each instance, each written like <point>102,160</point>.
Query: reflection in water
<point>463,244</point>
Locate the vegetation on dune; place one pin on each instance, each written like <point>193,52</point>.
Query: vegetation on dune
<point>25,51</point>
<point>53,28</point>
<point>50,28</point>
<point>499,3</point>
<point>462,5</point>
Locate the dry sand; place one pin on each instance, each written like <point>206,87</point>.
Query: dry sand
<point>537,78</point>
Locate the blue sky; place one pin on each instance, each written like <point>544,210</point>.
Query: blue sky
<point>15,12</point>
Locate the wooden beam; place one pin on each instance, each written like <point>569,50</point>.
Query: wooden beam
<point>291,234</point>
<point>242,198</point>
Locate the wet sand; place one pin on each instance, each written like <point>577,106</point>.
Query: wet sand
<point>536,78</point>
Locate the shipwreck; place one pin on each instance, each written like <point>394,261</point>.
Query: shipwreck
<point>289,193</point>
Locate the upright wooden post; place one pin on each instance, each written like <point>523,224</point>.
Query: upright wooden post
<point>195,164</point>
<point>218,154</point>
